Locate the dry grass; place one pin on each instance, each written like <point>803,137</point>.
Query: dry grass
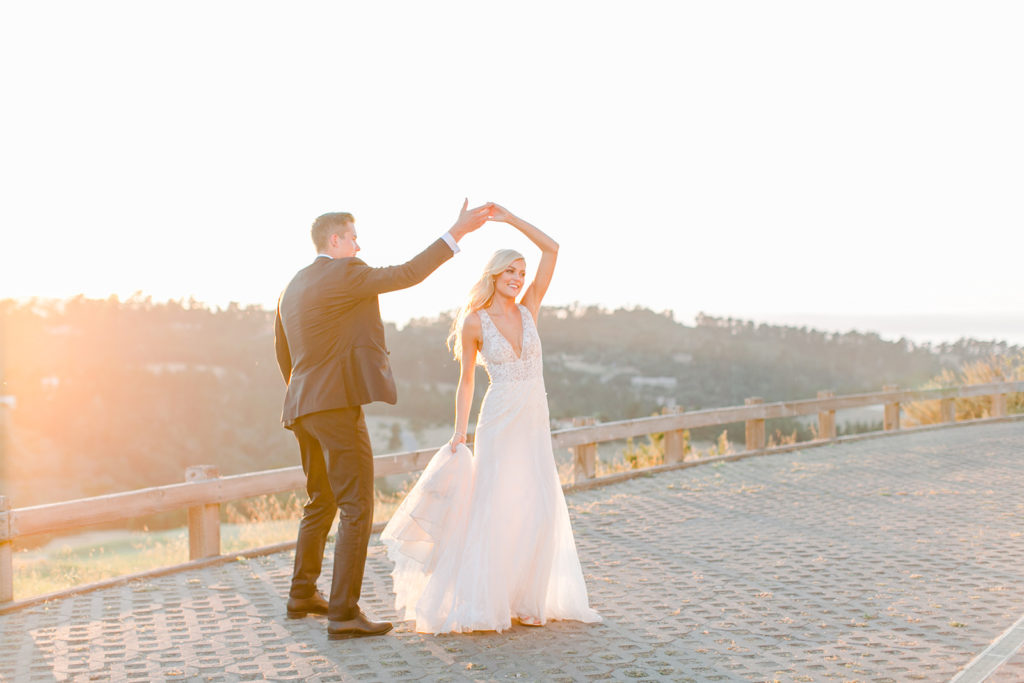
<point>1006,368</point>
<point>92,557</point>
<point>651,453</point>
<point>780,439</point>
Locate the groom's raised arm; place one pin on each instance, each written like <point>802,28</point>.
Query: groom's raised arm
<point>362,280</point>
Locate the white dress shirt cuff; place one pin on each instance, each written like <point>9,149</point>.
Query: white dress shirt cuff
<point>450,241</point>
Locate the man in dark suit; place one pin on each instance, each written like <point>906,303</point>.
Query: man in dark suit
<point>330,346</point>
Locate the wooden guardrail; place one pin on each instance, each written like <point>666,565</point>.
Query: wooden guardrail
<point>204,490</point>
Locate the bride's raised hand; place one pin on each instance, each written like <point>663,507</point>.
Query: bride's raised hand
<point>456,439</point>
<point>500,213</point>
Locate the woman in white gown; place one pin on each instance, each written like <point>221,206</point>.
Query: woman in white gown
<point>484,537</point>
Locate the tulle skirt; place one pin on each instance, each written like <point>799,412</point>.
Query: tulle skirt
<point>484,537</point>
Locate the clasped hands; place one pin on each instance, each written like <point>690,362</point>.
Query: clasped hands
<point>471,219</point>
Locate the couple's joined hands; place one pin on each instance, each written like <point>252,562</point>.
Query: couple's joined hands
<point>471,219</point>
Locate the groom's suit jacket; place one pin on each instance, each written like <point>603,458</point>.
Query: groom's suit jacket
<point>329,337</point>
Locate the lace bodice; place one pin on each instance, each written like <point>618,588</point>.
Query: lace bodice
<point>498,356</point>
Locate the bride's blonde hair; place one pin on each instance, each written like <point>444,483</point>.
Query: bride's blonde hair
<point>480,295</point>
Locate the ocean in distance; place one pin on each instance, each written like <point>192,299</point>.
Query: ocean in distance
<point>918,328</point>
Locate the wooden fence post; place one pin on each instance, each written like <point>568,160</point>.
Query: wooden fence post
<point>203,520</point>
<point>6,553</point>
<point>584,456</point>
<point>827,418</point>
<point>755,428</point>
<point>947,409</point>
<point>891,419</point>
<point>675,443</point>
<point>998,405</point>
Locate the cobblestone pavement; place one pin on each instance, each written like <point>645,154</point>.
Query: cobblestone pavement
<point>898,558</point>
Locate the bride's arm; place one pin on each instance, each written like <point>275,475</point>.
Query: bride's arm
<point>471,336</point>
<point>548,255</point>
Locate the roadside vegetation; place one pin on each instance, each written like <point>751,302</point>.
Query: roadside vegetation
<point>996,368</point>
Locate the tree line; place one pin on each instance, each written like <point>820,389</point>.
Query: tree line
<point>110,395</point>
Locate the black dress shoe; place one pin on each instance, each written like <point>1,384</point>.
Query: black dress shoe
<point>359,627</point>
<point>300,607</point>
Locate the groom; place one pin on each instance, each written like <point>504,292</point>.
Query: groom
<point>330,346</point>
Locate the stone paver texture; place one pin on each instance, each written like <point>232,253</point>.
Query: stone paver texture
<point>897,559</point>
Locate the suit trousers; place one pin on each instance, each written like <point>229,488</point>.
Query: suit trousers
<point>338,461</point>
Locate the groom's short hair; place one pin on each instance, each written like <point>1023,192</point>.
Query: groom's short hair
<point>328,224</point>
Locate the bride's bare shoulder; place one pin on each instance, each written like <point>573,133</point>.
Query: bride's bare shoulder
<point>471,324</point>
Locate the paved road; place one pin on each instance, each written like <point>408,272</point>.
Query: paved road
<point>898,558</point>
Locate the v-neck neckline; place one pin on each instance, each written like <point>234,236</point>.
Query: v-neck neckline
<point>522,325</point>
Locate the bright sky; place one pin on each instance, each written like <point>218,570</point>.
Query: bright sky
<point>739,158</point>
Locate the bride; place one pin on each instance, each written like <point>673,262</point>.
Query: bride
<point>484,537</point>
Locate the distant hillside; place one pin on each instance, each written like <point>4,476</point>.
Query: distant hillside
<point>628,363</point>
<point>112,395</point>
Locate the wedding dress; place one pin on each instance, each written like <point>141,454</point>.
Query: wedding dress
<point>484,538</point>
